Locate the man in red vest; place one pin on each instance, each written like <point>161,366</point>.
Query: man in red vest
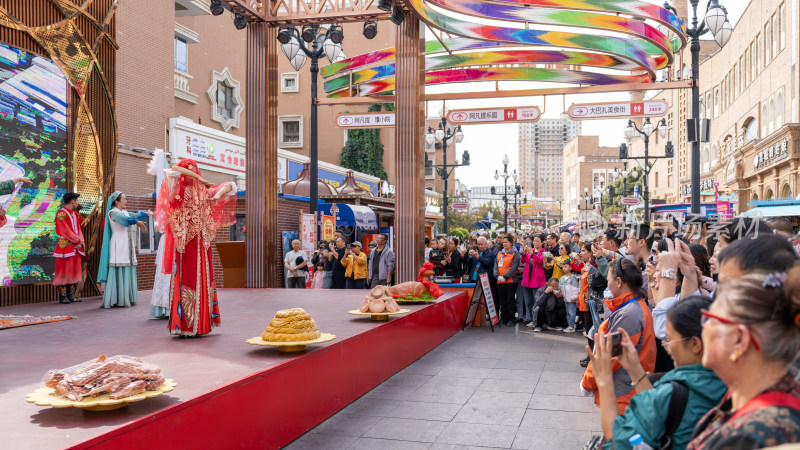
<point>70,248</point>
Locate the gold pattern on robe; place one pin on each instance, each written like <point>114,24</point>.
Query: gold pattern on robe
<point>188,297</point>
<point>193,218</point>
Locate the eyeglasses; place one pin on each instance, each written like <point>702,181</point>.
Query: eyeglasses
<point>707,315</point>
<point>666,343</point>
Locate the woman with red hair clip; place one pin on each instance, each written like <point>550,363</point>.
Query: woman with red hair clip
<point>189,212</point>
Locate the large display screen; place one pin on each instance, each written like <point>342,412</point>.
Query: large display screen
<point>33,143</point>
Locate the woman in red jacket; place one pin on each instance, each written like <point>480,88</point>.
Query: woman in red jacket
<point>532,275</point>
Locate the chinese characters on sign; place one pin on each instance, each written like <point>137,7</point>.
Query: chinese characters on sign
<point>210,151</point>
<point>587,111</point>
<point>497,115</point>
<point>773,153</point>
<point>367,120</point>
<point>308,233</point>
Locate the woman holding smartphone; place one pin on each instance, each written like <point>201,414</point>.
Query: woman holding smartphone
<point>629,311</point>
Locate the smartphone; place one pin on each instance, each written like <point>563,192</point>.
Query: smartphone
<point>616,343</point>
<point>348,246</point>
<point>653,259</point>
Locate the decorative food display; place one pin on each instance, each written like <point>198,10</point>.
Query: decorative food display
<point>421,290</point>
<point>379,300</point>
<point>118,376</point>
<point>291,325</point>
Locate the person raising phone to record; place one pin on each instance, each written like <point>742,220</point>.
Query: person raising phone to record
<point>629,311</point>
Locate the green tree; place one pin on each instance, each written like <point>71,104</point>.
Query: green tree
<point>363,150</point>
<point>613,205</point>
<point>462,233</point>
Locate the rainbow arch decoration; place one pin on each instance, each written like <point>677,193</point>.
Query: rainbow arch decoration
<point>586,42</point>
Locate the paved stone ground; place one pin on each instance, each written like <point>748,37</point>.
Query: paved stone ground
<point>507,389</point>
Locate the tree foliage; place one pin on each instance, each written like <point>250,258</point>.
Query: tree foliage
<point>462,233</point>
<point>363,150</point>
<point>612,205</point>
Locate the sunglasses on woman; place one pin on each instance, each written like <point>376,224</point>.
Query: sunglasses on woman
<point>707,315</point>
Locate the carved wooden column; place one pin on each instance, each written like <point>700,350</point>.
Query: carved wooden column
<point>409,219</point>
<point>262,156</point>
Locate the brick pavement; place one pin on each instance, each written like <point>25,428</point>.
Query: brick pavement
<point>508,389</point>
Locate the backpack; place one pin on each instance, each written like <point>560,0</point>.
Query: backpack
<point>677,405</point>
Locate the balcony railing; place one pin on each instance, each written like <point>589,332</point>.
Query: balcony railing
<point>182,87</point>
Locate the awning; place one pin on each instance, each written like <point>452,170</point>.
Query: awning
<point>773,211</point>
<point>357,216</point>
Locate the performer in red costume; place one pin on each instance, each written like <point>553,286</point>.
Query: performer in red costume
<point>70,248</point>
<point>189,212</point>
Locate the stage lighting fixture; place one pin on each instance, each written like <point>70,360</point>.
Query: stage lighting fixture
<point>336,35</point>
<point>397,15</point>
<point>239,21</point>
<point>308,34</point>
<point>385,5</point>
<point>370,29</point>
<point>284,36</point>
<point>216,7</point>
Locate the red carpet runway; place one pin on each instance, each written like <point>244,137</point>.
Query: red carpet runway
<point>230,394</point>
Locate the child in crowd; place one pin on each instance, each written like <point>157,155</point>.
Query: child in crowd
<point>569,284</point>
<point>319,274</point>
<point>436,257</point>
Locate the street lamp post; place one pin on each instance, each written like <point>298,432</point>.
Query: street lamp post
<point>295,46</point>
<point>631,134</point>
<point>599,190</point>
<point>586,207</point>
<point>505,176</point>
<point>716,21</point>
<point>444,170</point>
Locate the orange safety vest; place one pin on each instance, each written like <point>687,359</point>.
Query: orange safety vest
<point>507,259</point>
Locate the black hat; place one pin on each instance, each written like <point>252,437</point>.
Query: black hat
<point>69,196</point>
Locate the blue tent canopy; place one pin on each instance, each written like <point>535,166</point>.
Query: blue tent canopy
<point>358,217</point>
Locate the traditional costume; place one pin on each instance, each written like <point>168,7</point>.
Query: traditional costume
<point>160,298</point>
<point>117,269</point>
<point>68,259</point>
<point>189,217</point>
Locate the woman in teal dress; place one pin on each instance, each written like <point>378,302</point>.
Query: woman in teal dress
<point>117,269</point>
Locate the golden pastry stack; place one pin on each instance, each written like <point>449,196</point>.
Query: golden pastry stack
<point>291,325</point>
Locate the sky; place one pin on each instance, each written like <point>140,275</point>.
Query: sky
<point>488,143</point>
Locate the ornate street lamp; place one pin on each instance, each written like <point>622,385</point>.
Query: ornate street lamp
<point>444,170</point>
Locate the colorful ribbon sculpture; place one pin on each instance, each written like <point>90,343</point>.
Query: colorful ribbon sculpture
<point>628,40</point>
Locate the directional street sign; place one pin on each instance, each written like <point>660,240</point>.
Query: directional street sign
<point>615,110</point>
<point>513,216</point>
<point>630,201</point>
<point>460,205</point>
<point>494,115</point>
<point>366,120</point>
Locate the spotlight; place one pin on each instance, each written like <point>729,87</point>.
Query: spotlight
<point>335,34</point>
<point>239,21</point>
<point>308,34</point>
<point>216,7</point>
<point>370,29</point>
<point>397,15</point>
<point>284,36</point>
<point>385,5</point>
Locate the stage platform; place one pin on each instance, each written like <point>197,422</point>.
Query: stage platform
<point>230,394</point>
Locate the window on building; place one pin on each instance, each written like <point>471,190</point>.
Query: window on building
<point>430,173</point>
<point>779,109</point>
<point>224,100</point>
<point>767,41</point>
<point>750,130</point>
<point>771,126</point>
<point>656,179</point>
<point>782,20</point>
<point>757,54</point>
<point>716,102</point>
<point>764,119</point>
<point>775,36</point>
<point>709,105</point>
<point>291,131</point>
<point>181,55</point>
<point>289,82</point>
<point>714,152</point>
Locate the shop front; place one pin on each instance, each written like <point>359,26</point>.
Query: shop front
<point>355,222</point>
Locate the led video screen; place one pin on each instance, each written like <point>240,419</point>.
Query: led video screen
<point>33,143</point>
